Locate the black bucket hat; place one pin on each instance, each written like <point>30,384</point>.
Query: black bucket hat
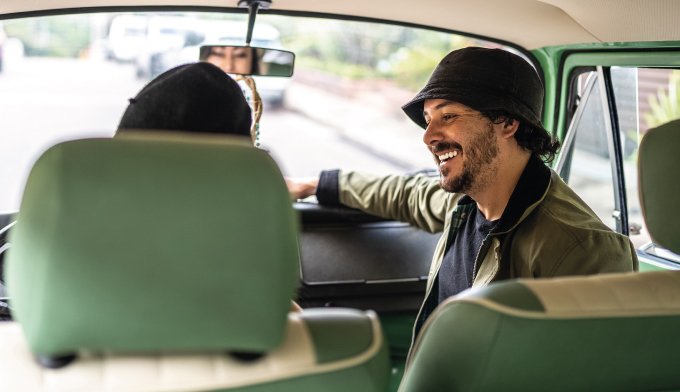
<point>196,97</point>
<point>484,80</point>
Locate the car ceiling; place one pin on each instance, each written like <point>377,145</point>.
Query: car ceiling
<point>528,23</point>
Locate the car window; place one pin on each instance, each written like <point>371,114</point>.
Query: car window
<point>68,77</point>
<point>645,98</point>
<point>585,162</point>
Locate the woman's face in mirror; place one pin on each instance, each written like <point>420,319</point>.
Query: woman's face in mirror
<point>235,60</point>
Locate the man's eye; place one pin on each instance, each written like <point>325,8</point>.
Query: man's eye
<point>449,116</point>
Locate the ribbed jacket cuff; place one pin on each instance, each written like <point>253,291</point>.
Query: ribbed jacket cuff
<point>328,189</point>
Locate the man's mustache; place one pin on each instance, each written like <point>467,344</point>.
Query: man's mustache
<point>446,146</point>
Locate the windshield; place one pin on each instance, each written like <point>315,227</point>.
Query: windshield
<point>69,77</point>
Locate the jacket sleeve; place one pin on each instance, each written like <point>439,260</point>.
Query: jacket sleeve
<point>417,200</point>
<point>598,254</point>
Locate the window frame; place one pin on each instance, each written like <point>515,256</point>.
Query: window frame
<point>576,63</point>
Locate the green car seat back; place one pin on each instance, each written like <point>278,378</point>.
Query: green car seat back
<point>168,262</point>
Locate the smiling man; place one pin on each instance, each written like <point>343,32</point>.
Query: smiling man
<point>503,212</point>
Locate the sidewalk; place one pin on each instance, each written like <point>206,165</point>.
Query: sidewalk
<point>366,114</point>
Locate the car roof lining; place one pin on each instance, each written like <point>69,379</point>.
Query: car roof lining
<point>528,23</point>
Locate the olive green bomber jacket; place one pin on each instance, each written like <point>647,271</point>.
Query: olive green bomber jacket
<point>550,232</point>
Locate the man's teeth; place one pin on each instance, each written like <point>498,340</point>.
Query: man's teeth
<point>448,155</point>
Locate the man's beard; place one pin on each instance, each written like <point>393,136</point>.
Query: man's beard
<point>477,170</point>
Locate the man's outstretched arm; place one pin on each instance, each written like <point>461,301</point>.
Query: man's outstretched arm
<point>417,200</point>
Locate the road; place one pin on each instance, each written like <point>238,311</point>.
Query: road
<point>44,101</point>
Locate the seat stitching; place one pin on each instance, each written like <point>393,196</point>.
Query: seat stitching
<point>564,255</point>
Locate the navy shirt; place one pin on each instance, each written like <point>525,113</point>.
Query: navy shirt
<point>455,273</point>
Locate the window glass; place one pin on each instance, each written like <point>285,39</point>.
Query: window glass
<point>68,77</point>
<point>645,98</point>
<point>588,169</point>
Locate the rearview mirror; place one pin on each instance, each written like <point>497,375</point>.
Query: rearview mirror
<point>246,60</point>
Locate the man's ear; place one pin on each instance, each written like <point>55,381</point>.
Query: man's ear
<point>510,127</point>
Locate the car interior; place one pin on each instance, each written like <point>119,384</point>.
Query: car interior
<point>114,278</point>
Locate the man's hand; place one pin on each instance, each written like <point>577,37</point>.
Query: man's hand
<point>301,188</point>
<point>295,308</point>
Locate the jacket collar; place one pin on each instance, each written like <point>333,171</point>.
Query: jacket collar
<point>530,189</point>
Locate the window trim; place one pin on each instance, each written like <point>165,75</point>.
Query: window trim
<point>657,262</point>
<point>562,166</point>
<point>570,66</point>
<point>615,150</point>
<point>571,60</point>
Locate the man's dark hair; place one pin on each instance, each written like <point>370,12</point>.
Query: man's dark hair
<point>538,141</point>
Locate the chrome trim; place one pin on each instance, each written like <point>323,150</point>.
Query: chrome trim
<point>392,280</point>
<point>571,132</point>
<point>6,228</point>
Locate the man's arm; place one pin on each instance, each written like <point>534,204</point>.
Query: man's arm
<point>417,200</point>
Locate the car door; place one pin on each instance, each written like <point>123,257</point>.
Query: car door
<point>612,100</point>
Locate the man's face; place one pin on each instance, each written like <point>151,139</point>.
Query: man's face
<point>464,144</point>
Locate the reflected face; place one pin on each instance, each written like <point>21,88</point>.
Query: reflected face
<point>464,145</point>
<point>236,60</point>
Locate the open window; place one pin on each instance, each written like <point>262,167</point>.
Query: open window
<point>609,111</point>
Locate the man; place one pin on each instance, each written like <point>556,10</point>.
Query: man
<point>503,212</point>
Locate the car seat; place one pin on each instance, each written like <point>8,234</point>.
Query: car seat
<point>167,263</point>
<point>615,332</point>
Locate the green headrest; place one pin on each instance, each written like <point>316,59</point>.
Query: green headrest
<point>154,243</point>
<point>659,187</point>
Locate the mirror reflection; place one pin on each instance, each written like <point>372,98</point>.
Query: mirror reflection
<point>246,60</point>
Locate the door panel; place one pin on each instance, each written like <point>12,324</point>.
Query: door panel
<point>352,259</point>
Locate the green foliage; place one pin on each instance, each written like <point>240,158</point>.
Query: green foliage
<point>364,50</point>
<point>413,67</point>
<point>666,105</point>
<point>56,36</point>
<point>344,69</point>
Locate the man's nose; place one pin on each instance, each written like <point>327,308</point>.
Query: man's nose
<point>432,136</point>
